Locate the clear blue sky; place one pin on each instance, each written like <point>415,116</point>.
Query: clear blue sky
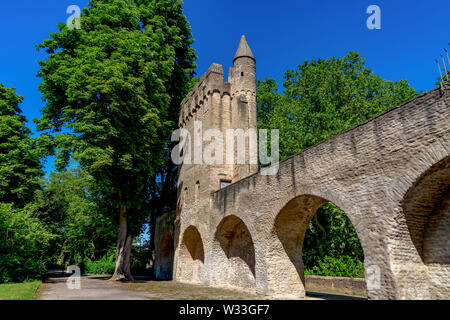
<point>282,34</point>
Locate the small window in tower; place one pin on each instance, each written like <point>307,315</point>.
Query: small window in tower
<point>224,183</point>
<point>242,74</point>
<point>185,195</point>
<point>197,190</point>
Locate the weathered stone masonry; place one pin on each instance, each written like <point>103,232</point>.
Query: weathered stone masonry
<point>391,176</point>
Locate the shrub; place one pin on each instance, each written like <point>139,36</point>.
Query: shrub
<point>105,265</point>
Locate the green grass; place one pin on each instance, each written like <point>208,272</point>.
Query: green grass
<point>19,291</point>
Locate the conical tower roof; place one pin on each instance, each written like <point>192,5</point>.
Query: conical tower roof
<point>243,50</point>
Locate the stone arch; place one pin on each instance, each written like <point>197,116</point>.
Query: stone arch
<point>225,93</point>
<point>165,257</point>
<point>233,255</point>
<point>426,208</point>
<point>285,272</point>
<point>191,256</point>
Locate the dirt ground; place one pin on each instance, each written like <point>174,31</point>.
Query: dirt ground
<point>94,287</point>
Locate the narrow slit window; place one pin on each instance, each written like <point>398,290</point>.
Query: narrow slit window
<point>197,190</point>
<point>224,183</point>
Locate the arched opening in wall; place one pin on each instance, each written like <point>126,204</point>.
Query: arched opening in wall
<point>233,255</point>
<point>426,207</point>
<point>192,257</point>
<point>314,237</point>
<point>165,257</point>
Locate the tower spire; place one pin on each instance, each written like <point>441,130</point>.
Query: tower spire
<point>243,50</point>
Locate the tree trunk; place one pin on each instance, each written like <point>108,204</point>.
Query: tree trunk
<point>124,242</point>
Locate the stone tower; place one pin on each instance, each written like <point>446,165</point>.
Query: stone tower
<point>212,108</point>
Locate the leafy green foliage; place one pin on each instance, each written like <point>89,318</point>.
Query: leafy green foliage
<point>104,265</point>
<point>81,229</point>
<point>105,83</point>
<point>112,92</point>
<point>330,234</point>
<point>110,84</point>
<point>141,256</point>
<point>331,246</point>
<point>322,98</point>
<point>343,266</point>
<point>24,240</point>
<point>20,155</point>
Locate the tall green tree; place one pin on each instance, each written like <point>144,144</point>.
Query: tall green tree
<point>163,184</point>
<point>24,241</point>
<point>109,88</point>
<point>20,155</point>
